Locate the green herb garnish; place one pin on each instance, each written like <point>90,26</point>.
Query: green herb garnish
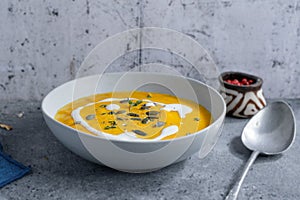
<point>137,102</point>
<point>196,119</point>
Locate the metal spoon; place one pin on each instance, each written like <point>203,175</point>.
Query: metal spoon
<point>271,131</point>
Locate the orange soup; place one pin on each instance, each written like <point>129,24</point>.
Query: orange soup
<point>135,116</point>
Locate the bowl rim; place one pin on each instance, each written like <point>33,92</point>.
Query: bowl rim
<point>220,118</point>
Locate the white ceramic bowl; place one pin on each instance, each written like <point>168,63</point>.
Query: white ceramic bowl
<point>138,156</point>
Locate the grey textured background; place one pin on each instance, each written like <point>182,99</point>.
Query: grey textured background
<point>43,42</point>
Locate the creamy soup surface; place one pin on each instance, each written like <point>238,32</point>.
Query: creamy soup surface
<point>135,116</point>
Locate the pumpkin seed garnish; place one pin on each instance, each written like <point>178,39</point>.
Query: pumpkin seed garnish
<point>90,117</point>
<point>137,102</point>
<point>121,112</point>
<point>6,127</point>
<point>133,114</point>
<point>152,113</point>
<point>152,118</point>
<point>113,123</point>
<point>109,127</point>
<point>130,102</point>
<point>125,100</point>
<point>144,107</point>
<point>196,119</point>
<point>159,124</point>
<point>138,132</point>
<point>136,119</point>
<point>145,120</point>
<point>149,95</point>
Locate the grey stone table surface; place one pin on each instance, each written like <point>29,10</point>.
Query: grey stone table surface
<point>59,174</point>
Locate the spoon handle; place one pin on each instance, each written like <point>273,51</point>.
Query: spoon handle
<point>233,194</point>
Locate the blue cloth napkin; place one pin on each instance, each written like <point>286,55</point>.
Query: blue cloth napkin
<point>10,170</point>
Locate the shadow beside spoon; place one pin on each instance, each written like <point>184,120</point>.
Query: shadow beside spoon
<point>237,148</point>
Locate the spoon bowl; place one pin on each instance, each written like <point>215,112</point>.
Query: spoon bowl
<point>271,131</point>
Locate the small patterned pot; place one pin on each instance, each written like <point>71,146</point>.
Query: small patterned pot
<point>242,101</point>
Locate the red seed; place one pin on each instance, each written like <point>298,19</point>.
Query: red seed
<point>244,81</point>
<point>235,81</point>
